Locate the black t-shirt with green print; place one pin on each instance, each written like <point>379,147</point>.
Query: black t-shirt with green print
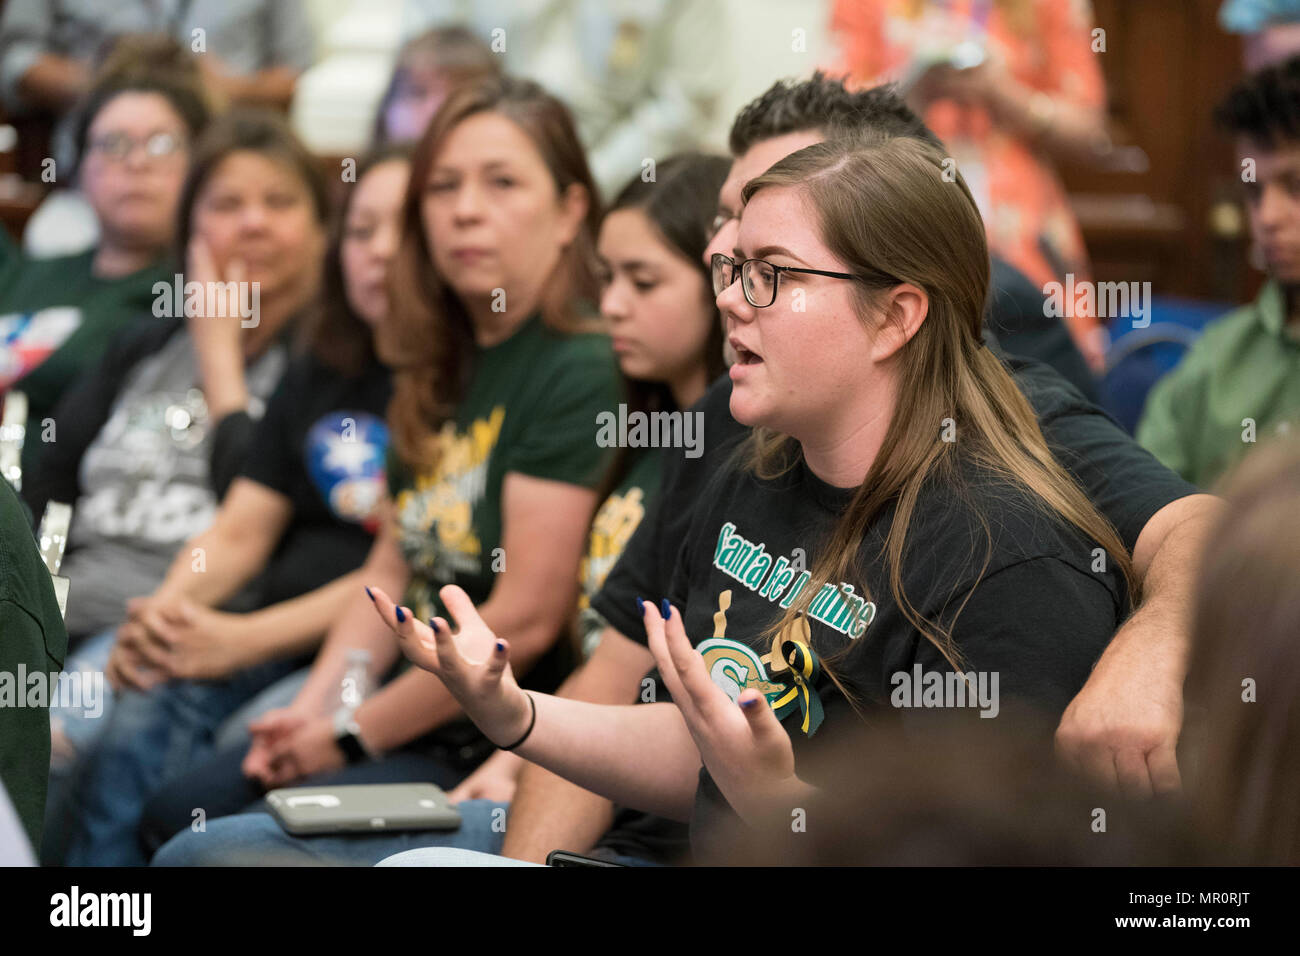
<point>57,319</point>
<point>1028,606</point>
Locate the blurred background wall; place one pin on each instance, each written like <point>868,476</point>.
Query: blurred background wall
<point>1163,207</point>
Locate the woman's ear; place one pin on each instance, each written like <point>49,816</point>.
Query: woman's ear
<point>904,310</point>
<point>574,203</point>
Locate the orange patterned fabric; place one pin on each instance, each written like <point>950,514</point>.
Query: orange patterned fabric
<point>1046,45</point>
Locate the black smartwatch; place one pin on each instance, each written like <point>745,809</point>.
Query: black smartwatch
<point>347,734</point>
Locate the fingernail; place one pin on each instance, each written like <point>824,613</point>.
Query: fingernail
<point>433,623</point>
<point>401,615</point>
<point>666,609</point>
<point>501,646</point>
<point>370,594</point>
<point>749,704</point>
<point>640,607</point>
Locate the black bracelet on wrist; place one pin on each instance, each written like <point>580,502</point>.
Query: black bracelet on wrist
<point>532,722</point>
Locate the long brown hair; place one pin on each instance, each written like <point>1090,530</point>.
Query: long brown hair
<point>430,345</point>
<point>332,331</point>
<point>1246,625</point>
<point>678,203</point>
<point>888,210</point>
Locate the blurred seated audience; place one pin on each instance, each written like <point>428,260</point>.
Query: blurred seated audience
<point>1270,28</point>
<point>59,315</point>
<point>427,68</point>
<point>1240,383</point>
<point>298,519</point>
<point>149,439</point>
<point>251,52</point>
<point>642,80</point>
<point>1008,85</point>
<point>494,460</point>
<point>659,309</point>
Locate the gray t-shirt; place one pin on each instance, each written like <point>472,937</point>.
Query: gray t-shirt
<point>144,480</point>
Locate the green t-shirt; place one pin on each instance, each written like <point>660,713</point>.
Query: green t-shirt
<point>616,519</point>
<point>57,319</point>
<point>1239,385</point>
<point>33,644</point>
<point>531,407</point>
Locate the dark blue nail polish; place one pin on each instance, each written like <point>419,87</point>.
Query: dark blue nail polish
<point>666,609</point>
<point>640,607</point>
<point>749,704</point>
<point>501,646</point>
<point>401,615</point>
<point>433,623</point>
<point>370,594</point>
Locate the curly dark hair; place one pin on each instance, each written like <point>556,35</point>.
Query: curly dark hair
<point>822,102</point>
<point>1265,106</point>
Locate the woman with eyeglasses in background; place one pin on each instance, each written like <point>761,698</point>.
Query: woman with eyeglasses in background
<point>149,440</point>
<point>58,315</point>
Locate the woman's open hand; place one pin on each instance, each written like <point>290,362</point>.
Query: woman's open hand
<point>747,751</point>
<point>472,662</point>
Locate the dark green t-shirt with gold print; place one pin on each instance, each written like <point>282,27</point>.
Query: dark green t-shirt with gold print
<point>531,407</point>
<point>615,520</point>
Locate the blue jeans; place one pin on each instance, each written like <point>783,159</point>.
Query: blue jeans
<point>150,738</point>
<point>81,725</point>
<point>81,728</point>
<point>255,839</point>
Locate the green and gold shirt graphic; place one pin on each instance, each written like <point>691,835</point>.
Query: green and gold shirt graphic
<point>616,518</point>
<point>530,408</point>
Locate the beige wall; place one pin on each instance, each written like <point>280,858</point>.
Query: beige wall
<point>356,38</point>
<point>762,50</point>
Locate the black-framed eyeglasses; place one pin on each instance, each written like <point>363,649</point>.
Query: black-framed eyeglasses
<point>118,146</point>
<point>758,277</point>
